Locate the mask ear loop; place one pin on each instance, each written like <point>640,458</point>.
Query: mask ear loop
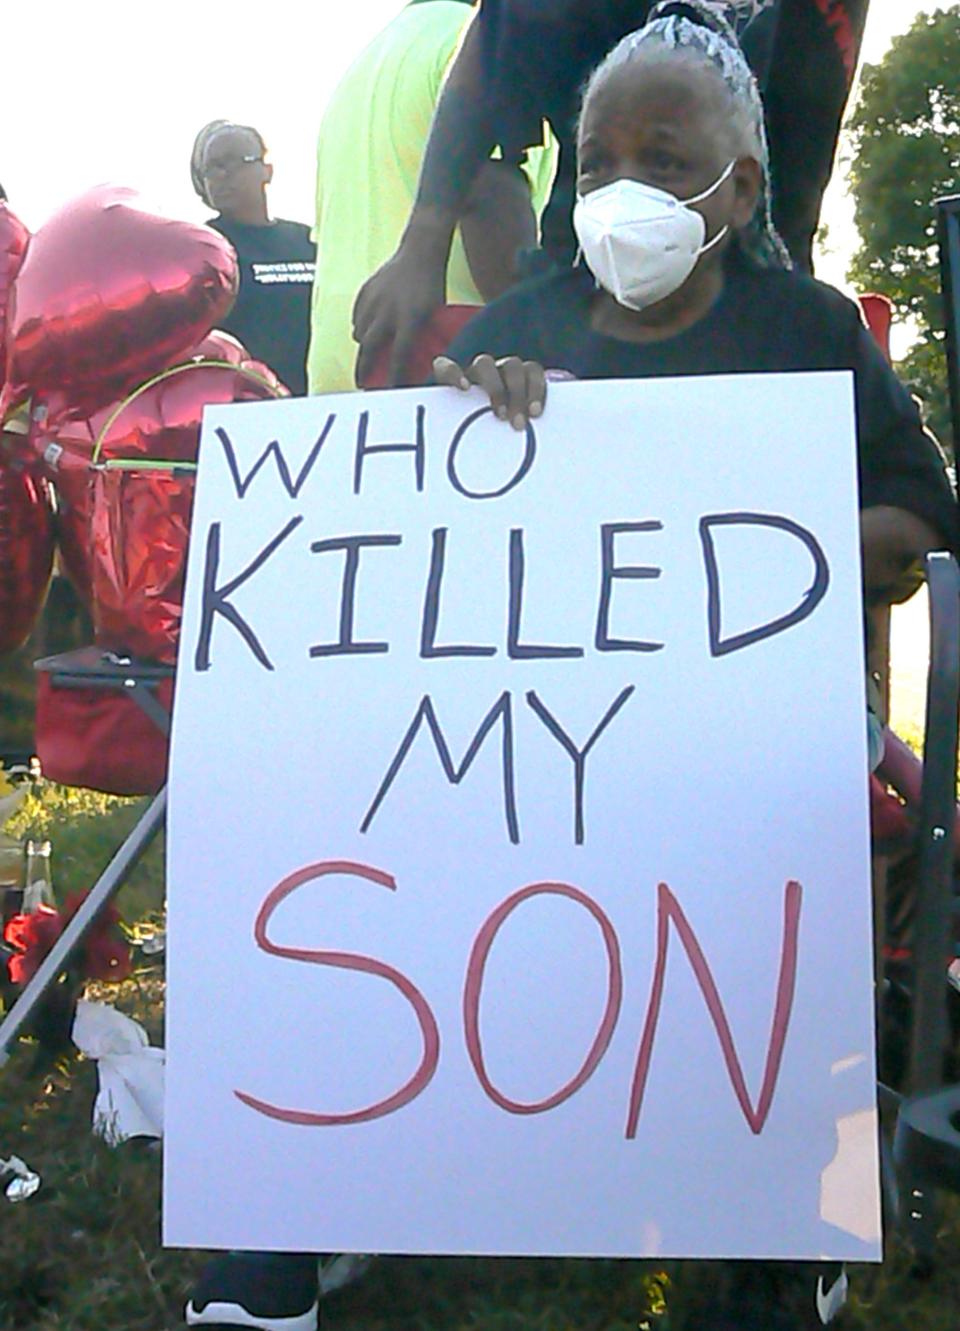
<point>724,175</point>
<point>698,198</point>
<point>718,237</point>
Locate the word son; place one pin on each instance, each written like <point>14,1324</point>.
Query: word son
<point>669,912</point>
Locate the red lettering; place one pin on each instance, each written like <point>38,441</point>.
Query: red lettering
<point>668,908</point>
<point>474,984</point>
<point>347,961</point>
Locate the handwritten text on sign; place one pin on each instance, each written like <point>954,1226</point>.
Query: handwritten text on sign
<point>562,693</point>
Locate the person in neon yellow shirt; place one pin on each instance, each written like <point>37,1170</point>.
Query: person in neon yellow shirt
<point>369,148</point>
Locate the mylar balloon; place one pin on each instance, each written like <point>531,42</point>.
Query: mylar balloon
<point>163,421</point>
<point>13,245</point>
<point>26,551</point>
<point>139,528</point>
<point>140,516</point>
<point>221,346</point>
<point>110,293</point>
<point>159,420</point>
<point>218,345</point>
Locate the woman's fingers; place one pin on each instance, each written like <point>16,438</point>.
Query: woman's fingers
<point>514,375</point>
<point>485,373</point>
<point>525,383</point>
<point>517,389</point>
<point>448,372</point>
<point>536,387</point>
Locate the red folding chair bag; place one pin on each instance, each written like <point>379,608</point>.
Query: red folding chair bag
<point>100,738</point>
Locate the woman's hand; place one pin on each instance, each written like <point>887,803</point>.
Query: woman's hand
<point>517,388</point>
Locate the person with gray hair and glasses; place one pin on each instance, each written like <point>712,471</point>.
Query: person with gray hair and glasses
<point>271,317</point>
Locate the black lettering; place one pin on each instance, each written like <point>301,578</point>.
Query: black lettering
<point>418,449</point>
<point>579,756</point>
<point>608,572</point>
<point>293,487</point>
<point>529,453</point>
<point>345,645</point>
<point>720,646</point>
<point>216,599</point>
<point>500,710</point>
<point>517,650</point>
<point>431,607</point>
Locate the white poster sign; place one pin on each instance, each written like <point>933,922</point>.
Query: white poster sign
<point>518,845</point>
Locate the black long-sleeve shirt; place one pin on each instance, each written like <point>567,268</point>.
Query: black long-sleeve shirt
<point>765,320</point>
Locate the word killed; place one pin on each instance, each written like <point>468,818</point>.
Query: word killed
<point>358,549</point>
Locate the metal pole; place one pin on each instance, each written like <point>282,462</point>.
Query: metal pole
<point>948,230</point>
<point>931,943</point>
<point>112,878</point>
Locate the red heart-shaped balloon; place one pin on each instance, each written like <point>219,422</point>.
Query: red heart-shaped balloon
<point>162,422</point>
<point>26,551</point>
<point>140,519</point>
<point>109,294</point>
<point>130,575</point>
<point>218,345</point>
<point>13,245</point>
<point>139,531</point>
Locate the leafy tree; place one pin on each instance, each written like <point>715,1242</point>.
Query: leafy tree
<point>906,153</point>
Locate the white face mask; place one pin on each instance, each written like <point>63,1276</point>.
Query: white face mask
<point>642,243</point>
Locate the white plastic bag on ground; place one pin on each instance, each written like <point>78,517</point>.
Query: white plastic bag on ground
<point>129,1102</point>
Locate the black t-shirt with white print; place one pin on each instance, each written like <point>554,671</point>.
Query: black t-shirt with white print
<point>272,314</point>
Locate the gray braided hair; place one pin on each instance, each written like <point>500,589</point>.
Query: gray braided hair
<point>209,131</point>
<point>698,33</point>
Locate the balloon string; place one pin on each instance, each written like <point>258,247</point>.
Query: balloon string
<point>144,464</point>
<point>169,374</point>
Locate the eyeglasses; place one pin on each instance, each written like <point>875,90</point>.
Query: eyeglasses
<point>229,165</point>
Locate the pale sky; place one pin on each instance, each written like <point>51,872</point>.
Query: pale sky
<point>116,91</point>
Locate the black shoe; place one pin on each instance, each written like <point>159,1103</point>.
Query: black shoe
<point>263,1291</point>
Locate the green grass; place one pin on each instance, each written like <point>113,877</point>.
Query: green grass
<point>84,1253</point>
<point>85,828</point>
